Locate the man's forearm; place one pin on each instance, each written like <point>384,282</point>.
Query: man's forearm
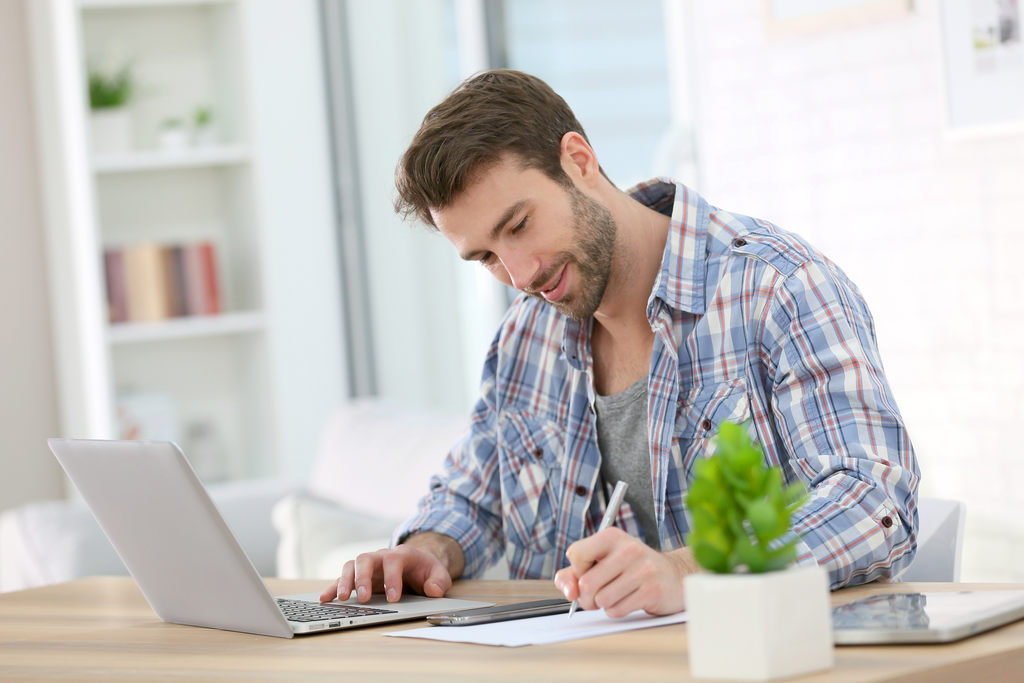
<point>443,547</point>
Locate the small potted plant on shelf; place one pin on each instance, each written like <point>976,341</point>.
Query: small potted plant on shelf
<point>203,132</point>
<point>110,92</point>
<point>172,134</point>
<point>753,614</point>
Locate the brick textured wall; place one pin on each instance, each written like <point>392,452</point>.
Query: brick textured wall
<point>840,135</point>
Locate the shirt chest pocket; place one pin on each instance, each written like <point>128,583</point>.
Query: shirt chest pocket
<point>701,412</point>
<point>529,457</point>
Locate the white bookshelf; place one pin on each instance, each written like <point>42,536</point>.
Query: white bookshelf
<point>191,327</point>
<point>165,160</point>
<point>261,375</point>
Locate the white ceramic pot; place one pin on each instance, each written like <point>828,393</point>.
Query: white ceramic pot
<point>759,626</point>
<point>204,136</point>
<point>172,139</point>
<point>111,130</point>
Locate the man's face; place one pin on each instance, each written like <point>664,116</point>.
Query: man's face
<point>532,233</point>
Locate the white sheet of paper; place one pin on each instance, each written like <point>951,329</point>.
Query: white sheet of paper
<point>554,628</point>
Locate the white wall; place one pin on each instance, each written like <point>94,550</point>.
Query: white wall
<point>839,135</point>
<point>28,410</point>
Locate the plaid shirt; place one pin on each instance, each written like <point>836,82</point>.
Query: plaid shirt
<point>751,324</point>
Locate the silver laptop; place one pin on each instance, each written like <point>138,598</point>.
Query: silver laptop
<point>186,561</point>
<point>930,617</point>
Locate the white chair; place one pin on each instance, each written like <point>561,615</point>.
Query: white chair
<point>940,541</point>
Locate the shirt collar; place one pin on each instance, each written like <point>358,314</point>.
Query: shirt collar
<point>680,281</point>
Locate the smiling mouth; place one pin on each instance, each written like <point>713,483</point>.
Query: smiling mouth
<point>555,284</point>
<point>552,291</point>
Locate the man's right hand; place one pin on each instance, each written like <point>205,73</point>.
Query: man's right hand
<point>427,563</point>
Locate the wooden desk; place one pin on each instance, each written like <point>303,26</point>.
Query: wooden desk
<point>102,629</point>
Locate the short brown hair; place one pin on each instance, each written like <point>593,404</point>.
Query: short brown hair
<point>487,116</point>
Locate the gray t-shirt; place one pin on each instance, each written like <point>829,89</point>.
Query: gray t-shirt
<point>625,453</point>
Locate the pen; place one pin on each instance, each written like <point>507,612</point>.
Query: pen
<point>609,516</point>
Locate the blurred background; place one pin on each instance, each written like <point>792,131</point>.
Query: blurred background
<point>198,240</point>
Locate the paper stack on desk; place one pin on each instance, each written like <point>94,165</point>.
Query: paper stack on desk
<point>541,630</point>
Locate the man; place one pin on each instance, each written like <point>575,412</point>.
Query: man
<point>646,320</point>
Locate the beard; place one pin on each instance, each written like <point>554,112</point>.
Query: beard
<point>595,231</point>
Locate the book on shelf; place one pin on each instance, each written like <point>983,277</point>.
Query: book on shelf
<point>144,283</point>
<point>174,285</point>
<point>199,264</point>
<point>113,270</point>
<point>149,282</point>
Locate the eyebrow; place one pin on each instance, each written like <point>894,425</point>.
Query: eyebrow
<point>496,230</point>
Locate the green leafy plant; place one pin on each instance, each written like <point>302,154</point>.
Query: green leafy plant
<point>202,117</point>
<point>110,89</point>
<point>740,508</point>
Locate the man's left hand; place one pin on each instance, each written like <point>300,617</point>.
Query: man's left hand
<point>614,571</point>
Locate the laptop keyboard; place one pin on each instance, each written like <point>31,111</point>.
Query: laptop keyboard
<point>300,610</point>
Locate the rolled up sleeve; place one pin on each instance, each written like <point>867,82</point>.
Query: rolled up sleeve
<point>838,421</point>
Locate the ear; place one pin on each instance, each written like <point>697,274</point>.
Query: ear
<point>579,160</point>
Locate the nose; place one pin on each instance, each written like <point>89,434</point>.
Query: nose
<point>521,268</point>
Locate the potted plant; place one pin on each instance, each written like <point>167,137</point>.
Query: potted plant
<point>110,91</point>
<point>172,134</point>
<point>202,126</point>
<point>752,614</point>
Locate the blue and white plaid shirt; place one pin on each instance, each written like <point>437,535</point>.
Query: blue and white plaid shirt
<point>751,323</point>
